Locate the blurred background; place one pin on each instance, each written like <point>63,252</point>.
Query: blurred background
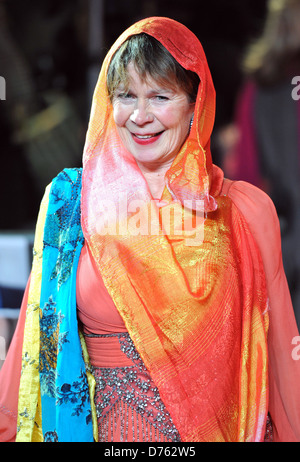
<point>50,56</point>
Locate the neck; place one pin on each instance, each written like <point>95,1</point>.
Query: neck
<point>155,177</point>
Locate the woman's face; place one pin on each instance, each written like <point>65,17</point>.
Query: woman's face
<point>152,121</point>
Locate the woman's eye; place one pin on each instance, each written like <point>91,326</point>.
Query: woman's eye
<point>125,96</point>
<point>161,98</point>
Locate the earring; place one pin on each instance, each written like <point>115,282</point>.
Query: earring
<point>191,122</point>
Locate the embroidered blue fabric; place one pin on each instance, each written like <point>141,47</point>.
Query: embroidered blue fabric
<point>66,410</point>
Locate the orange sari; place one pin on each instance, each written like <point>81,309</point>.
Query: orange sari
<point>198,315</point>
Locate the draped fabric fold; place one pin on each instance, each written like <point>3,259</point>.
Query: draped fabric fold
<point>196,311</point>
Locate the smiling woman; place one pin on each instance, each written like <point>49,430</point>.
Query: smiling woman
<point>147,336</point>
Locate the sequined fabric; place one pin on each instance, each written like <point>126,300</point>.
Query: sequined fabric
<point>269,431</point>
<point>128,404</point>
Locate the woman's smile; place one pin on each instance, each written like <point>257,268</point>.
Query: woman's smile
<point>146,139</point>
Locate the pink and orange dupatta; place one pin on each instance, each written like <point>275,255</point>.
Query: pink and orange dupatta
<point>196,314</point>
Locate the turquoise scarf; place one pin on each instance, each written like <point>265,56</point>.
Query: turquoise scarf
<point>59,396</point>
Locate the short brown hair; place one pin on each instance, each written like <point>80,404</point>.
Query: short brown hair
<point>150,58</point>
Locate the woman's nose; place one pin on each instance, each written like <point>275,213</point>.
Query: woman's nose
<point>141,113</point>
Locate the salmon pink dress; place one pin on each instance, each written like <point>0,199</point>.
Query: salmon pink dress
<point>128,404</point>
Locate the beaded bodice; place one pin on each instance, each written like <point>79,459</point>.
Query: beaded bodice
<point>129,407</point>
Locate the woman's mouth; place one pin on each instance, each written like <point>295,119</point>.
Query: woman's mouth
<point>146,139</point>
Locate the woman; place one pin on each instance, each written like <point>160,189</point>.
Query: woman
<point>174,343</point>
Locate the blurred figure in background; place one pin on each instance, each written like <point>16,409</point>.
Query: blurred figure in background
<point>42,117</point>
<point>262,146</point>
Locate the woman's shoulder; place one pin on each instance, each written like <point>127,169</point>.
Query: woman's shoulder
<point>63,192</point>
<point>66,184</point>
<point>69,174</point>
<point>252,202</point>
<point>260,214</point>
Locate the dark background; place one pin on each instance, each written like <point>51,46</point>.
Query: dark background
<point>50,54</point>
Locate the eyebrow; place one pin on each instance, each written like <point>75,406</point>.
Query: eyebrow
<point>161,90</point>
<point>154,91</point>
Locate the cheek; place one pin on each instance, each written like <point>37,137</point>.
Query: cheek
<point>178,118</point>
<point>120,115</point>
<point>179,128</point>
<point>168,117</point>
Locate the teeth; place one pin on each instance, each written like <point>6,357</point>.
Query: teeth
<point>144,137</point>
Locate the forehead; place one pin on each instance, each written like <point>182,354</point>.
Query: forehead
<point>135,78</point>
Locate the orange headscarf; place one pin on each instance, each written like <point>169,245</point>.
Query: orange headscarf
<point>196,313</point>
